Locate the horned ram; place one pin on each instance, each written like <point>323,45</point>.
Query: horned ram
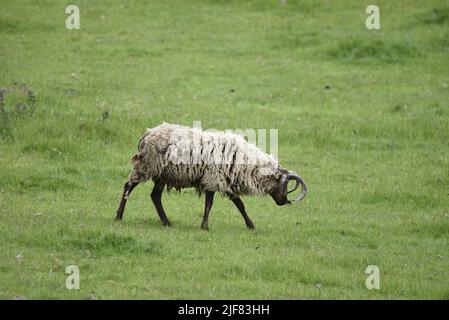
<point>178,157</point>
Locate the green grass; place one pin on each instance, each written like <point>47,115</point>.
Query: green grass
<point>362,115</point>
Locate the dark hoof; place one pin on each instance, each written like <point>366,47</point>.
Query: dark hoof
<point>204,227</point>
<point>166,224</point>
<point>251,227</point>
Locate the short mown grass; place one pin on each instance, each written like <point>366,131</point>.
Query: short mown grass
<point>363,116</point>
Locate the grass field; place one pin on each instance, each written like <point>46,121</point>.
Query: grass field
<point>363,116</point>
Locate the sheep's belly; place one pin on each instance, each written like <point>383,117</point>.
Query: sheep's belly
<point>181,176</point>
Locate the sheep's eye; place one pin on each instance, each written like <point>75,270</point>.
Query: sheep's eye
<point>277,175</point>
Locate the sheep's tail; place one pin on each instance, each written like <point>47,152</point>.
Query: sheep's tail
<point>135,160</point>
<point>141,143</point>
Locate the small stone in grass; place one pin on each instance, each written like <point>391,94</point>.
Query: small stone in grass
<point>37,214</point>
<point>71,92</point>
<point>19,298</point>
<point>92,296</point>
<point>318,285</point>
<point>19,257</point>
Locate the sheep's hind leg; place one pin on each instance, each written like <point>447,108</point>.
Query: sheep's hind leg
<point>239,204</point>
<point>156,196</point>
<point>126,192</point>
<point>208,205</point>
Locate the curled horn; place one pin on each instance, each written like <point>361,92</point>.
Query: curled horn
<point>299,181</point>
<point>284,179</point>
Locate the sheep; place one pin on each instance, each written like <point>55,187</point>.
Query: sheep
<point>178,157</point>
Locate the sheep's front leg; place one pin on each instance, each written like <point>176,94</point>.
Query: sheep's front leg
<point>156,196</point>
<point>126,192</point>
<point>239,204</point>
<point>207,207</point>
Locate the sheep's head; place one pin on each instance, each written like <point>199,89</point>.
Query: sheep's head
<point>276,184</point>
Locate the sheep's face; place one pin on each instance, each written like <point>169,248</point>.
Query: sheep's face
<point>275,182</point>
<point>279,190</point>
